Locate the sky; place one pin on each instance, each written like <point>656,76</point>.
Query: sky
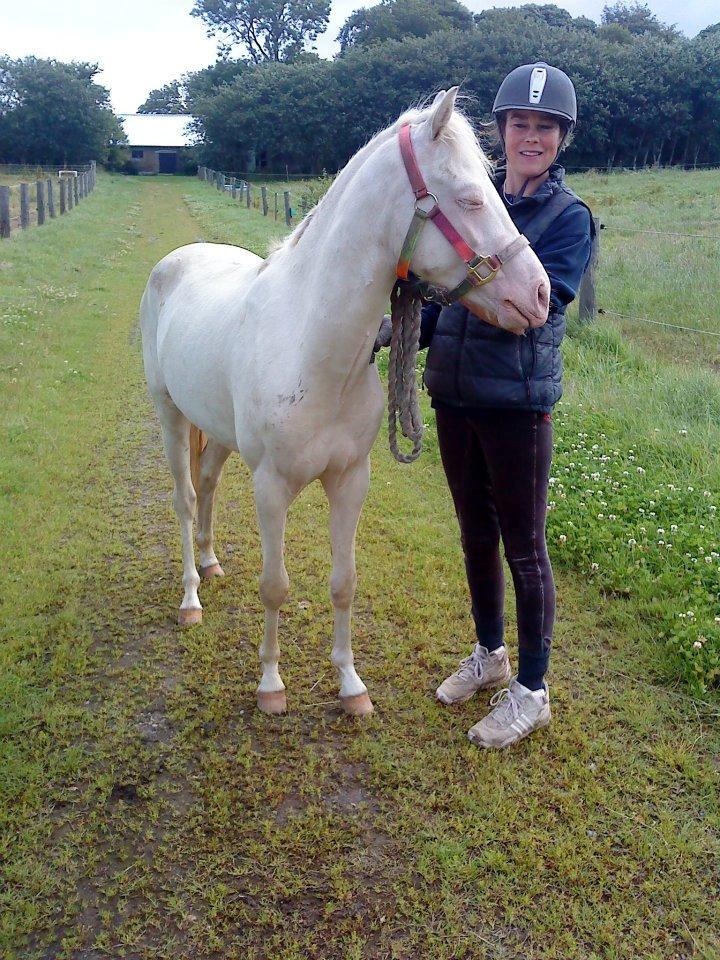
<point>144,44</point>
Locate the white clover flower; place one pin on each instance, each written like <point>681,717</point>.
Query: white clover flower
<point>601,516</point>
<point>594,567</point>
<point>712,509</point>
<point>683,433</point>
<point>632,542</point>
<point>690,614</point>
<point>661,543</point>
<point>660,531</point>
<point>611,516</point>
<point>673,527</point>
<point>717,619</point>
<point>682,616</point>
<point>691,489</point>
<point>562,538</point>
<point>697,645</point>
<point>639,469</point>
<point>701,526</point>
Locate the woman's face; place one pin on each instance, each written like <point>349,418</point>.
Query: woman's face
<point>532,140</point>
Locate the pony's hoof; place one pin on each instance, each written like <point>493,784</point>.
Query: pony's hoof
<point>211,570</point>
<point>359,705</point>
<point>273,701</point>
<point>187,616</point>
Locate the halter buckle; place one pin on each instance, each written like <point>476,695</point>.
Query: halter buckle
<point>477,278</point>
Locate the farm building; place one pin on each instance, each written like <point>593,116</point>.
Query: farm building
<point>158,143</point>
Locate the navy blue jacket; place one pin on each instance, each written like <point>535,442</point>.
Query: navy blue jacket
<point>473,365</point>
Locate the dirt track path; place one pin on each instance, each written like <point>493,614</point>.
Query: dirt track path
<point>179,823</point>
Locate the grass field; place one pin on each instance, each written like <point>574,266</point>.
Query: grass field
<point>147,810</point>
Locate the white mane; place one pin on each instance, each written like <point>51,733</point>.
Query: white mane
<point>458,132</point>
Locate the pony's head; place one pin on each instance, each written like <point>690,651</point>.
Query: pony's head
<point>457,173</point>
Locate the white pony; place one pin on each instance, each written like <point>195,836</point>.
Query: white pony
<point>271,357</point>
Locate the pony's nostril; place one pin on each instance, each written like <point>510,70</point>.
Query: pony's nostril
<point>543,296</point>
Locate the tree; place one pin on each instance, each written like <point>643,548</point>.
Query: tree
<point>52,112</point>
<point>400,19</point>
<point>267,29</point>
<point>638,19</point>
<point>167,99</point>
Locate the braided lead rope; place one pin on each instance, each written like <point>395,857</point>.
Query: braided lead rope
<point>403,405</point>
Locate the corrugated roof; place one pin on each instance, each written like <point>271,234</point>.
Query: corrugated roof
<point>157,130</point>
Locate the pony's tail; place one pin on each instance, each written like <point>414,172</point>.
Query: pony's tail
<point>198,442</point>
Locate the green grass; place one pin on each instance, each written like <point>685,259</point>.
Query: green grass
<point>147,810</point>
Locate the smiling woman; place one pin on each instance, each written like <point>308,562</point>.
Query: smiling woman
<point>493,394</point>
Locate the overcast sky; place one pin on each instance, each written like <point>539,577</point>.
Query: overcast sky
<point>144,44</point>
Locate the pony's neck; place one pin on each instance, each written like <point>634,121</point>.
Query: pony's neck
<point>341,269</point>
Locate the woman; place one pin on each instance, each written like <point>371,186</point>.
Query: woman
<point>493,395</point>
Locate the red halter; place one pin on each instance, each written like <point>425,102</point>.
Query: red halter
<point>474,261</point>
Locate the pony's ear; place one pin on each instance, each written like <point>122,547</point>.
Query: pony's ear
<point>438,97</point>
<point>442,111</point>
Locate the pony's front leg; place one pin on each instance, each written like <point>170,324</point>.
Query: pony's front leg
<point>272,499</point>
<point>346,494</point>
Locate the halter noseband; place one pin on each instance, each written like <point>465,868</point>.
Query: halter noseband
<point>481,270</point>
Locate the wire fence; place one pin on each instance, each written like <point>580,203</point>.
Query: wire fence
<point>28,203</point>
<point>280,204</point>
<point>659,323</point>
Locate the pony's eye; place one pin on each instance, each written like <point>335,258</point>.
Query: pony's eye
<point>471,203</point>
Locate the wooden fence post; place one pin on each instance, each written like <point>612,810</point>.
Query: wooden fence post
<point>221,182</point>
<point>63,200</point>
<point>70,195</point>
<point>76,195</point>
<point>276,204</point>
<point>50,198</point>
<point>248,197</point>
<point>263,194</point>
<point>40,200</point>
<point>4,212</point>
<point>288,209</point>
<point>587,304</point>
<point>24,206</point>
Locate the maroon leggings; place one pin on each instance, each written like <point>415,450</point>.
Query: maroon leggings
<point>497,464</point>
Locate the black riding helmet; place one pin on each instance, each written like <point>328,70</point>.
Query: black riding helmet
<point>542,89</point>
<point>539,87</point>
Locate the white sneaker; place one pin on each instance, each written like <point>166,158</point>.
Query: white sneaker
<point>482,670</point>
<point>517,712</point>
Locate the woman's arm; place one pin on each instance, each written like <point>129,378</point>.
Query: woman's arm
<point>564,251</point>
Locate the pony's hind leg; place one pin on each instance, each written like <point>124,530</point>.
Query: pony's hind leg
<point>176,439</point>
<point>272,499</point>
<point>212,461</point>
<point>346,494</point>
